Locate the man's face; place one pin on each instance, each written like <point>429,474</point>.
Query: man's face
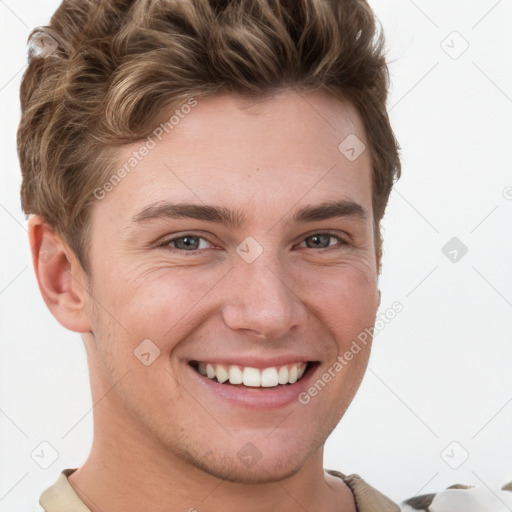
<point>270,292</point>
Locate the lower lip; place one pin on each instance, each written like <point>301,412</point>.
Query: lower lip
<point>266,399</point>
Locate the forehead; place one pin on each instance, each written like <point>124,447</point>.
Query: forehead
<point>230,149</point>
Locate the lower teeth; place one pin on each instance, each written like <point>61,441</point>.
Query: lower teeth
<point>251,387</point>
<point>244,386</point>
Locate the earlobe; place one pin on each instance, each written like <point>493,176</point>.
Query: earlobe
<point>60,277</point>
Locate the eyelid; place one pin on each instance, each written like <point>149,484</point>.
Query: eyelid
<point>335,234</point>
<point>165,243</point>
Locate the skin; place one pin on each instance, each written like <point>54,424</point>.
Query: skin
<point>160,441</point>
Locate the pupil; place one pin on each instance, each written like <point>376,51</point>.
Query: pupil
<point>319,238</point>
<point>188,242</point>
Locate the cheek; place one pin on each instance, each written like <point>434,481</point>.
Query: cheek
<point>159,304</point>
<point>345,298</point>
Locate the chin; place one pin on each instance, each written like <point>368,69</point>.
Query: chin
<point>259,474</point>
<point>249,466</point>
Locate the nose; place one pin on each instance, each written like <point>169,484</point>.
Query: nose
<point>260,300</point>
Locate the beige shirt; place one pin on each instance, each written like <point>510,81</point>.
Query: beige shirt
<point>60,497</point>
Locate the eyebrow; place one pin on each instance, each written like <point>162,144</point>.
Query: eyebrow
<point>236,219</point>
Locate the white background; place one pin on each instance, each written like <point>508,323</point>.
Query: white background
<point>439,372</point>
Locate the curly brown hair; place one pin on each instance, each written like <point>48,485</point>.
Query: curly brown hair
<point>111,69</point>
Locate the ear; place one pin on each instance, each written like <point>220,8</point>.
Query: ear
<point>61,279</point>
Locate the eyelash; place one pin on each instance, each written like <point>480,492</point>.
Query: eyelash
<point>166,243</point>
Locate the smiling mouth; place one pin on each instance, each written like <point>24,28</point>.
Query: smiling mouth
<point>246,376</point>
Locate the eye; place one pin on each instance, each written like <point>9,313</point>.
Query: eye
<point>187,243</point>
<point>321,240</point>
<point>191,243</point>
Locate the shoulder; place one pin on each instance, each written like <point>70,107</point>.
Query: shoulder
<point>367,498</point>
<point>462,498</point>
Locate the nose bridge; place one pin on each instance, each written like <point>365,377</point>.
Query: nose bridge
<point>258,297</point>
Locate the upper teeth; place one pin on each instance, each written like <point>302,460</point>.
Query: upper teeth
<point>254,377</point>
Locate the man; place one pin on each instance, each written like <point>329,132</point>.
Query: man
<point>205,182</point>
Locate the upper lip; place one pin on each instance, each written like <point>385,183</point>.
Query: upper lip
<point>254,361</point>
